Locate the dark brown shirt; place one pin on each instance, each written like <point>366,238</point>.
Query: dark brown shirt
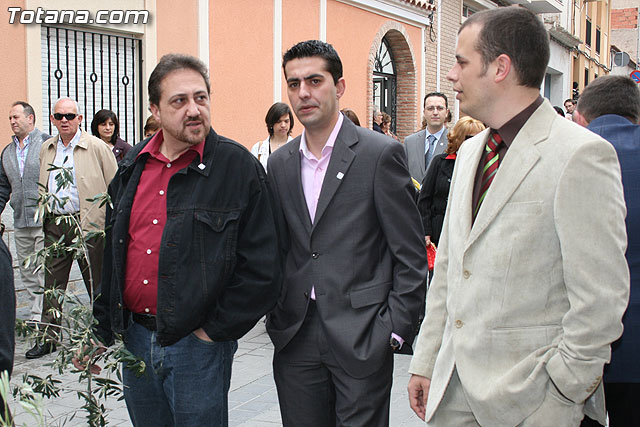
<point>508,132</point>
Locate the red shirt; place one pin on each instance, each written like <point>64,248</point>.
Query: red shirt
<point>146,224</point>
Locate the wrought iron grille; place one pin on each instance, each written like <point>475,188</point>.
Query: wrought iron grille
<point>98,70</point>
<point>384,82</point>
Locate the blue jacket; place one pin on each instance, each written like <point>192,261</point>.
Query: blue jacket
<point>219,263</point>
<point>625,137</point>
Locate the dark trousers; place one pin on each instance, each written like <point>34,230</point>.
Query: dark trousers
<point>58,266</point>
<point>314,391</point>
<point>623,405</point>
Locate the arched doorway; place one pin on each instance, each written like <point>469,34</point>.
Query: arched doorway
<point>384,82</point>
<point>393,78</point>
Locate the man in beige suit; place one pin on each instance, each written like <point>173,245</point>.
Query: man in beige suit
<point>530,281</point>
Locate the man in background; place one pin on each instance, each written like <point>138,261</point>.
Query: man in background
<point>570,106</point>
<point>423,145</point>
<point>610,107</point>
<point>92,166</point>
<point>19,171</point>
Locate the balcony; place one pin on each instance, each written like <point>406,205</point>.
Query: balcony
<point>540,6</point>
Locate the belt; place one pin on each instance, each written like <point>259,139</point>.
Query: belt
<point>146,320</point>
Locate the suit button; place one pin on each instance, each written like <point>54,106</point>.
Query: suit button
<point>306,294</point>
<point>121,241</point>
<point>466,274</point>
<point>459,324</point>
<point>315,255</point>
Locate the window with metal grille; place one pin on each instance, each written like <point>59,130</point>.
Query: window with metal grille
<point>384,82</point>
<point>97,69</point>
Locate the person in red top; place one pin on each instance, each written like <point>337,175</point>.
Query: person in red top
<point>192,256</point>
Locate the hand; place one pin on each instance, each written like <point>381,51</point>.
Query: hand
<point>418,393</point>
<point>427,240</point>
<point>200,333</point>
<point>81,365</point>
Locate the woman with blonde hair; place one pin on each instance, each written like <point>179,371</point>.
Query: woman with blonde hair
<point>434,192</point>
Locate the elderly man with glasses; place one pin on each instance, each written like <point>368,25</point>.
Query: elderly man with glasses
<point>92,167</point>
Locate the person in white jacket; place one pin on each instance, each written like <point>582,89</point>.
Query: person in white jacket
<point>279,120</point>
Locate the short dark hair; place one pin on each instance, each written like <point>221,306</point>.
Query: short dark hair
<point>101,117</point>
<point>440,94</point>
<point>517,33</point>
<point>319,48</point>
<point>28,109</point>
<point>170,63</point>
<point>610,95</point>
<point>276,111</point>
<point>569,100</point>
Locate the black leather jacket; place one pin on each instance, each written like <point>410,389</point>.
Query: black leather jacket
<point>219,258</point>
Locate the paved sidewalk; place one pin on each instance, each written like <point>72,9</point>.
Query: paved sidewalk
<point>253,401</point>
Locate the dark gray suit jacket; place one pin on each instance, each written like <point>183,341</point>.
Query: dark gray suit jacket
<point>414,149</point>
<point>364,254</point>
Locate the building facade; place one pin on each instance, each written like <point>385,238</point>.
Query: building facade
<point>384,46</point>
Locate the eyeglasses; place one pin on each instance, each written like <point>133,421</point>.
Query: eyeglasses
<point>68,116</point>
<point>433,107</point>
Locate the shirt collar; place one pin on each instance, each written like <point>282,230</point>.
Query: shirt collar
<point>153,146</point>
<point>437,135</point>
<point>304,149</point>
<point>509,130</point>
<point>25,141</point>
<point>74,140</point>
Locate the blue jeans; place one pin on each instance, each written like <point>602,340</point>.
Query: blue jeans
<point>184,384</point>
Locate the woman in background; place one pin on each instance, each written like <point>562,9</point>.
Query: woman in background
<point>106,127</point>
<point>279,120</point>
<point>434,193</point>
<point>386,126</point>
<point>351,115</point>
<point>151,126</point>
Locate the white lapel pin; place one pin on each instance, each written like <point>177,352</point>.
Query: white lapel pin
<point>340,175</point>
<point>201,166</point>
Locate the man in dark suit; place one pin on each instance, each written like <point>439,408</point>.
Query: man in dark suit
<point>610,107</point>
<point>424,145</point>
<point>355,264</point>
<point>7,321</point>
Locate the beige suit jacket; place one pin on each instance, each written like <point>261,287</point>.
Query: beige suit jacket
<point>536,288</point>
<point>95,165</point>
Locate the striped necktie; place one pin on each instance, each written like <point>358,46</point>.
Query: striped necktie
<point>490,168</point>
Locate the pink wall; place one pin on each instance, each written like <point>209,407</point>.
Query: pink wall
<point>241,58</point>
<point>177,24</point>
<point>14,77</point>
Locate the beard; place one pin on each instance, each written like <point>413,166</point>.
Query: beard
<point>190,135</point>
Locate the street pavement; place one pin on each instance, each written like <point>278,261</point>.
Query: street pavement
<point>253,401</point>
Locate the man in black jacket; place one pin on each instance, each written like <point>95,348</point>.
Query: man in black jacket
<point>7,317</point>
<point>191,257</point>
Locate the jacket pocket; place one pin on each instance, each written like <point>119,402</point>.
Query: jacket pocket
<point>216,233</point>
<point>369,296</point>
